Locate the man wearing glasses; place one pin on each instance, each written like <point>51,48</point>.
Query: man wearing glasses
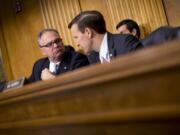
<point>59,58</point>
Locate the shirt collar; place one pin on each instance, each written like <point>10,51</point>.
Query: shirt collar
<point>104,51</point>
<point>52,66</point>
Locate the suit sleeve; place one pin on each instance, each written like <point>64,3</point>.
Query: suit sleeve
<point>32,76</point>
<point>35,75</point>
<point>78,60</point>
<point>132,43</point>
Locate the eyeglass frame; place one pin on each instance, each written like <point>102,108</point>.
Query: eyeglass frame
<point>58,41</point>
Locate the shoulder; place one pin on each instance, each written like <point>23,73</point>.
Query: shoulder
<point>121,37</point>
<point>123,41</point>
<point>72,55</point>
<point>160,35</point>
<point>41,61</point>
<point>78,55</point>
<point>75,59</point>
<point>69,48</point>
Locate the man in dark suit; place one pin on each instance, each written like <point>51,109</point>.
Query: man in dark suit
<point>59,58</point>
<point>161,35</point>
<point>89,33</point>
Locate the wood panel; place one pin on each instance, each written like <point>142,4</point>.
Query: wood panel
<point>57,14</point>
<point>5,57</point>
<point>20,36</point>
<point>172,11</point>
<point>133,94</point>
<point>102,6</point>
<point>149,14</point>
<point>19,31</point>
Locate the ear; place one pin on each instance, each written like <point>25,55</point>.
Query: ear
<point>134,32</point>
<point>88,32</point>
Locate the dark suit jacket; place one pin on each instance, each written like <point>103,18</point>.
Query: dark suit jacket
<point>161,35</point>
<point>71,60</point>
<point>118,44</point>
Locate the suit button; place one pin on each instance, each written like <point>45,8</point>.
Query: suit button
<point>65,68</point>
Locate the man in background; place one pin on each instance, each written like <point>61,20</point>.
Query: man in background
<point>89,32</point>
<point>128,26</point>
<point>59,58</point>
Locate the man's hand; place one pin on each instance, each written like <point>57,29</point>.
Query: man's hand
<point>47,75</point>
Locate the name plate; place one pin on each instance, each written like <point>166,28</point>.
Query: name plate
<point>14,84</point>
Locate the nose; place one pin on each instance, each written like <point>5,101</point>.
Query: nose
<point>55,45</point>
<point>78,45</point>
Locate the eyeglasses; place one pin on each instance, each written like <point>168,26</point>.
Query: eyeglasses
<point>57,41</point>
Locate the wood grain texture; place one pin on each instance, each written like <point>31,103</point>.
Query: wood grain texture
<point>5,56</point>
<point>57,14</point>
<point>20,37</point>
<point>148,13</point>
<point>135,94</point>
<point>19,31</point>
<point>172,11</point>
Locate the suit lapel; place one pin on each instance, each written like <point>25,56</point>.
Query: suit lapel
<point>65,64</point>
<point>40,68</point>
<point>46,64</point>
<point>112,51</point>
<point>63,67</point>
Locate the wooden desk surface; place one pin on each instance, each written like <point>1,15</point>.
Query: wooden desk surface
<point>134,94</point>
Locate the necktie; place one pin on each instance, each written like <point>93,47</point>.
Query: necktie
<point>56,68</point>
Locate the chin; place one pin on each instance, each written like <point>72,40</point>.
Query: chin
<point>57,57</point>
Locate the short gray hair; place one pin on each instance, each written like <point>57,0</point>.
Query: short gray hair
<point>44,31</point>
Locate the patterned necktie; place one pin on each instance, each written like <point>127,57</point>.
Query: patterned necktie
<point>56,68</point>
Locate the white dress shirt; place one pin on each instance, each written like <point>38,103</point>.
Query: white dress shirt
<point>104,51</point>
<point>53,67</point>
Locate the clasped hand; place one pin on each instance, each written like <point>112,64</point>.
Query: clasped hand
<point>47,75</point>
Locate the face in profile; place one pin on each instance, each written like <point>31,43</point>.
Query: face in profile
<point>124,30</point>
<point>82,40</point>
<point>51,45</point>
